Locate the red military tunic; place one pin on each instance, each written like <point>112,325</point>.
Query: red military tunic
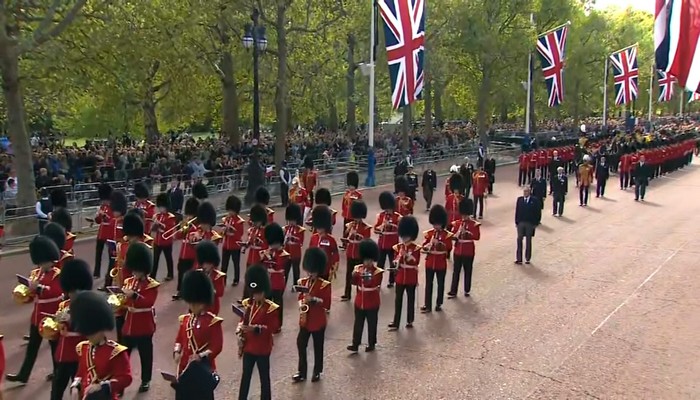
<point>407,258</point>
<point>367,297</point>
<point>448,189</point>
<point>234,228</point>
<point>309,180</point>
<point>625,163</point>
<point>164,222</point>
<point>105,220</point>
<point>263,314</point>
<point>122,247</point>
<point>439,252</point>
<point>310,222</point>
<point>357,231</point>
<point>140,312</point>
<point>256,242</point>
<point>68,341</point>
<point>116,235</point>
<point>523,161</point>
<point>542,158</point>
<point>534,158</point>
<point>294,240</point>
<point>103,363</point>
<point>465,237</point>
<point>387,228</point>
<point>299,195</point>
<point>480,182</point>
<point>316,318</point>
<point>149,210</point>
<point>200,234</point>
<point>270,216</point>
<point>452,206</point>
<point>218,279</point>
<point>328,244</point>
<point>276,262</point>
<point>65,256</point>
<point>349,196</point>
<point>70,242</point>
<point>198,333</point>
<point>187,251</point>
<point>48,294</point>
<point>404,205</point>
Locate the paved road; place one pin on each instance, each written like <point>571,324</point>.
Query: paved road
<point>607,310</point>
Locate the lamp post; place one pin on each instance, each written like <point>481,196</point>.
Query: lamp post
<point>254,39</point>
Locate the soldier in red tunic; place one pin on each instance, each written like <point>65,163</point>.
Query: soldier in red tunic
<point>256,235</point>
<point>298,194</point>
<point>163,221</point>
<point>118,205</point>
<point>480,184</point>
<point>255,331</point>
<point>105,220</point>
<point>322,219</point>
<point>182,232</point>
<point>199,340</point>
<point>406,262</point>
<point>294,234</point>
<point>276,259</point>
<point>437,246</point>
<point>386,227</point>
<point>206,221</point>
<point>200,192</point>
<point>314,305</point>
<point>143,203</point>
<point>452,201</point>
<point>323,198</point>
<point>262,198</point>
<point>208,261</point>
<point>357,230</point>
<point>404,204</point>
<point>367,277</point>
<point>309,180</point>
<point>46,293</point>
<point>63,218</point>
<point>352,181</point>
<point>465,231</point>
<point>75,277</point>
<point>57,234</point>
<point>141,292</point>
<point>234,228</point>
<point>104,368</point>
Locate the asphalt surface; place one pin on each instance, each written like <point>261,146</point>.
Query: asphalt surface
<point>607,310</point>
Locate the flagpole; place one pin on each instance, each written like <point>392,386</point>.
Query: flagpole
<point>625,48</point>
<point>651,90</point>
<point>554,29</point>
<point>605,94</point>
<point>529,83</point>
<point>371,75</point>
<point>682,95</point>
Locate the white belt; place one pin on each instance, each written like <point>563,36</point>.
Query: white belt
<point>367,289</point>
<point>390,233</point>
<point>72,334</point>
<point>105,223</point>
<point>437,252</point>
<point>274,271</point>
<point>354,241</point>
<point>465,241</point>
<point>139,310</point>
<point>51,300</point>
<point>406,266</point>
<point>256,247</point>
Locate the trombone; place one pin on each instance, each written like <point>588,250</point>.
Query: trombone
<point>183,228</point>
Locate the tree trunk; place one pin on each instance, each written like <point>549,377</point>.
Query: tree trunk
<point>350,82</point>
<point>483,106</point>
<point>504,112</point>
<point>427,101</point>
<point>438,102</point>
<point>332,113</point>
<point>406,128</point>
<point>281,92</point>
<point>229,103</point>
<point>150,120</point>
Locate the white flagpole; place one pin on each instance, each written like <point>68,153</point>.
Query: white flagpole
<point>529,82</point>
<point>371,75</point>
<point>651,91</point>
<point>605,92</point>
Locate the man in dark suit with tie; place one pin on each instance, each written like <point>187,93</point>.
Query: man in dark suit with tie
<point>538,187</point>
<point>528,213</point>
<point>429,185</point>
<point>560,187</point>
<point>642,174</point>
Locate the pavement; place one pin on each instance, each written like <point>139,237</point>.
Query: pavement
<point>607,310</point>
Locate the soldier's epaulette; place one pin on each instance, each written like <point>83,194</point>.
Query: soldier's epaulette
<point>70,235</point>
<point>62,305</point>
<point>215,236</point>
<point>1,337</point>
<point>324,283</point>
<point>215,319</point>
<point>284,253</point>
<point>56,272</point>
<point>152,283</point>
<point>449,234</point>
<point>429,231</point>
<point>396,246</point>
<point>301,228</point>
<point>476,223</point>
<point>269,210</point>
<point>245,302</point>
<point>301,281</point>
<point>65,255</point>
<point>79,347</point>
<point>358,266</point>
<point>116,348</point>
<point>334,212</point>
<point>271,305</point>
<point>378,270</point>
<point>219,274</point>
<point>182,317</point>
<point>148,241</point>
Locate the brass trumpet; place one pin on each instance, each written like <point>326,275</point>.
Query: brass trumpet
<point>21,294</point>
<point>183,228</point>
<point>49,328</point>
<point>116,301</point>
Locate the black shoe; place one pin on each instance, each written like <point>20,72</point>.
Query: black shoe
<point>518,262</point>
<point>168,278</point>
<point>451,295</point>
<point>370,348</point>
<point>527,262</point>
<point>235,283</point>
<point>409,325</point>
<point>49,377</point>
<point>438,308</point>
<point>425,310</point>
<point>353,348</point>
<point>297,378</point>
<point>103,289</point>
<point>391,285</point>
<point>344,298</point>
<point>466,294</point>
<point>316,377</point>
<point>145,387</point>
<point>16,378</point>
<point>176,297</point>
<point>96,277</point>
<point>25,338</point>
<point>393,327</point>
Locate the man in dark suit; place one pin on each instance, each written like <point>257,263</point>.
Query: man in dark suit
<point>560,187</point>
<point>538,188</point>
<point>642,174</point>
<point>429,185</point>
<point>602,173</point>
<point>490,168</point>
<point>554,165</point>
<point>177,199</point>
<point>528,213</point>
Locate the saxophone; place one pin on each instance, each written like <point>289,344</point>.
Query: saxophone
<point>240,333</point>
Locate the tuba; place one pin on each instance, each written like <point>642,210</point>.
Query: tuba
<point>49,328</point>
<point>22,294</point>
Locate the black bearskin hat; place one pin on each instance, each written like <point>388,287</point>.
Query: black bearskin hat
<point>274,234</point>
<point>257,279</point>
<point>206,214</point>
<point>58,198</point>
<point>387,201</point>
<point>321,218</point>
<point>438,215</point>
<point>117,202</point>
<point>323,196</point>
<point>191,206</point>
<point>294,213</point>
<point>258,214</point>
<point>352,179</point>
<point>43,250</point>
<point>308,162</point>
<point>139,258</point>
<point>208,253</point>
<point>75,275</point>
<point>315,260</point>
<point>455,182</point>
<point>199,191</point>
<point>197,288</point>
<point>104,191</point>
<point>132,225</point>
<point>141,191</point>
<point>408,227</point>
<point>466,206</point>
<point>401,184</point>
<point>56,233</point>
<point>369,250</point>
<point>262,196</point>
<point>63,218</point>
<point>358,209</point>
<point>90,313</point>
<point>233,203</point>
<point>162,200</point>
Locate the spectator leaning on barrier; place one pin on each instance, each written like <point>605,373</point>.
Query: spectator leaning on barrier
<point>43,209</point>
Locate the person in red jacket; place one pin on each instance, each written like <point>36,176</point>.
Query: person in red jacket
<point>255,331</point>
<point>324,198</point>
<point>314,305</point>
<point>532,165</point>
<point>46,293</point>
<point>208,261</point>
<point>276,259</point>
<point>143,203</point>
<point>294,234</point>
<point>163,221</point>
<point>309,180</point>
<point>480,181</point>
<point>104,368</point>
<point>118,205</point>
<point>255,241</point>
<point>465,232</point>
<point>357,230</point>
<point>200,338</point>
<point>386,227</point>
<point>298,194</point>
<point>406,263</point>
<point>367,277</point>
<point>523,162</point>
<point>141,292</point>
<point>62,217</point>
<point>323,239</point>
<point>404,204</point>
<point>105,220</point>
<point>352,181</point>
<point>262,198</point>
<point>234,228</point>
<point>437,245</point>
<point>624,171</point>
<point>452,201</point>
<point>57,234</point>
<point>182,232</point>
<point>75,277</point>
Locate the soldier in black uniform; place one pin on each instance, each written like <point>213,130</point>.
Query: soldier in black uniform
<point>429,185</point>
<point>412,179</point>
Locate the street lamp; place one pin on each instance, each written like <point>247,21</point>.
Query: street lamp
<point>254,38</point>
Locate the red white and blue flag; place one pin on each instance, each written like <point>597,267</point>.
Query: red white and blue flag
<point>626,75</point>
<point>404,32</point>
<point>552,49</point>
<point>677,39</point>
<point>665,86</point>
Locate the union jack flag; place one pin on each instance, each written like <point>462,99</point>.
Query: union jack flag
<point>693,97</point>
<point>552,47</point>
<point>665,86</point>
<point>626,75</point>
<point>404,32</point>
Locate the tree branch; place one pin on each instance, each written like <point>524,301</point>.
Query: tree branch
<point>339,13</point>
<point>43,33</point>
